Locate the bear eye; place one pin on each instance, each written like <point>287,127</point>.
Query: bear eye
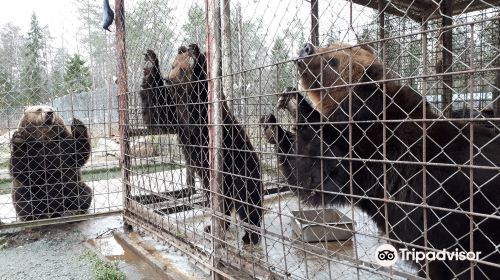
<point>333,62</point>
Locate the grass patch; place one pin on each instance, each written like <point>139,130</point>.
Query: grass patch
<point>103,270</point>
<point>4,165</point>
<point>103,174</point>
<point>3,242</point>
<point>5,186</point>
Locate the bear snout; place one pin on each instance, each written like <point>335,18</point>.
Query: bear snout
<point>49,117</point>
<point>304,52</point>
<point>307,49</point>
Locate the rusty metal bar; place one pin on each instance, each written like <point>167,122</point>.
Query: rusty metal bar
<point>425,85</point>
<point>58,220</point>
<point>121,60</point>
<point>382,49</point>
<point>213,17</point>
<point>471,150</point>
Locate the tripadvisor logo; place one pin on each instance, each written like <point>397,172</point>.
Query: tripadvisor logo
<point>386,255</point>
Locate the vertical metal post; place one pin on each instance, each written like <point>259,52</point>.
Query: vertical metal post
<point>110,102</point>
<point>213,8</point>
<point>447,55</point>
<point>227,67</point>
<point>472,89</point>
<point>425,88</point>
<point>121,60</point>
<point>496,63</point>
<point>382,49</point>
<point>314,23</point>
<point>239,31</point>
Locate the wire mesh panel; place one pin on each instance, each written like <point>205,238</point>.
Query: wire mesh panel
<point>59,156</point>
<point>316,139</point>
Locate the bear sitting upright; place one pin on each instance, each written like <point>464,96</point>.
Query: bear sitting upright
<point>45,165</point>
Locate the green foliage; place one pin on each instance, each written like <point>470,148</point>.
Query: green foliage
<point>149,25</point>
<point>99,45</point>
<point>57,84</point>
<point>3,242</point>
<point>194,29</point>
<point>5,89</point>
<point>76,75</point>
<point>33,78</point>
<point>103,270</point>
<point>279,54</point>
<point>11,41</point>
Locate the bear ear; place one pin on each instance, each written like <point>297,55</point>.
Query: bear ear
<point>374,72</point>
<point>367,47</point>
<point>194,49</point>
<point>182,49</point>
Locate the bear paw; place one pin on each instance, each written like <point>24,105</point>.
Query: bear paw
<point>287,98</point>
<point>78,128</point>
<point>268,123</point>
<point>18,138</point>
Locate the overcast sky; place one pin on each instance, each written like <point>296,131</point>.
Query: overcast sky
<point>58,15</point>
<point>274,17</point>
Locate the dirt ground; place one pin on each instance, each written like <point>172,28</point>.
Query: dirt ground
<point>56,252</point>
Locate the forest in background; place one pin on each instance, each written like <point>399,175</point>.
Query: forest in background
<point>36,67</point>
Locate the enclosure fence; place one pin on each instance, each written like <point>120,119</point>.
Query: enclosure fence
<point>324,150</point>
<point>47,177</point>
<point>315,139</point>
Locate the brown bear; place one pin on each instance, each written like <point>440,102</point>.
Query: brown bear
<point>428,205</point>
<point>242,184</point>
<point>45,165</point>
<point>155,91</point>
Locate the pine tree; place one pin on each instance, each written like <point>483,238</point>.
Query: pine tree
<point>11,42</point>
<point>279,54</point>
<point>194,29</point>
<point>33,74</point>
<point>98,45</point>
<point>77,76</point>
<point>5,89</point>
<point>57,83</point>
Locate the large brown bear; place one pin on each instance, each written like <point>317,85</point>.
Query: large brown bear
<point>242,184</point>
<point>45,165</point>
<point>434,210</point>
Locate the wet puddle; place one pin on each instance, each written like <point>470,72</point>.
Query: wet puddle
<point>131,264</point>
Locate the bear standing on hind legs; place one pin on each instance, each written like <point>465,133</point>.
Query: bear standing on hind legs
<point>324,137</point>
<point>45,165</point>
<point>242,186</point>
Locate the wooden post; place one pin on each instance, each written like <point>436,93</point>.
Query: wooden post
<point>121,60</point>
<point>215,120</point>
<point>314,23</point>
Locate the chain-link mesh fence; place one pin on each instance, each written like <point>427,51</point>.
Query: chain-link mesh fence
<point>256,143</point>
<point>324,150</point>
<point>58,56</point>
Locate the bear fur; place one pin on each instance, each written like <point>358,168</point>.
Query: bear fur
<point>242,184</point>
<point>155,91</point>
<point>323,137</point>
<point>45,165</point>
